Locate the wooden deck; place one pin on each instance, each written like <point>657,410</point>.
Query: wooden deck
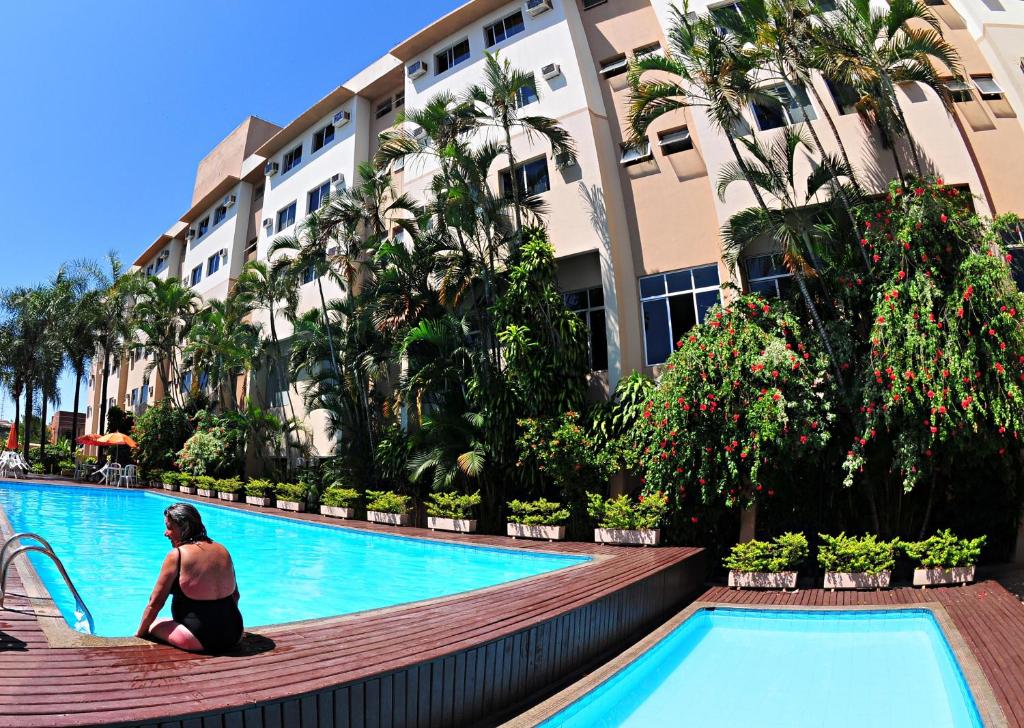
<point>452,661</point>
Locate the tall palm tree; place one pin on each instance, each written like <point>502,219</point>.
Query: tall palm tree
<point>223,345</point>
<point>116,285</point>
<point>163,313</point>
<point>80,335</point>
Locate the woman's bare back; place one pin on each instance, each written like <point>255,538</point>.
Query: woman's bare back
<point>206,571</point>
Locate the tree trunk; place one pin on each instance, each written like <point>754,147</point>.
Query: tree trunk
<point>835,133</point>
<point>103,395</point>
<point>818,324</point>
<point>327,329</point>
<point>28,418</point>
<point>748,523</point>
<point>515,177</point>
<point>743,165</point>
<point>907,136</point>
<point>17,411</point>
<point>79,371</point>
<point>42,425</point>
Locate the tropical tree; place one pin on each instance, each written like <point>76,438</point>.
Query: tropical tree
<point>116,286</point>
<point>80,334</point>
<point>163,314</point>
<point>223,345</point>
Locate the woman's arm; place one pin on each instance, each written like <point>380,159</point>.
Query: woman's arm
<point>164,582</point>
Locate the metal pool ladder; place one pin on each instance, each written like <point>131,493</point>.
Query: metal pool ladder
<point>43,547</point>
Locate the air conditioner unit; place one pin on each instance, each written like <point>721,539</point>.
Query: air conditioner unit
<point>536,7</point>
<point>338,182</point>
<point>223,253</point>
<point>191,234</point>
<point>564,161</point>
<point>399,164</point>
<point>268,222</point>
<point>342,118</point>
<point>270,169</point>
<point>417,70</point>
<point>550,71</point>
<point>230,200</point>
<point>333,251</point>
<point>420,135</point>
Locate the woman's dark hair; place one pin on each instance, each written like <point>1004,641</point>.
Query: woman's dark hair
<point>188,521</point>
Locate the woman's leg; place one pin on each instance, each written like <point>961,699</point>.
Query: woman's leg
<point>175,634</point>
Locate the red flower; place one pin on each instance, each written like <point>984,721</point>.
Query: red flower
<point>943,218</point>
<point>902,274</point>
<point>876,257</point>
<point>919,191</point>
<point>693,519</point>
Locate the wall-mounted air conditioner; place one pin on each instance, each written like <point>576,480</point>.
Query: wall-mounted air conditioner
<point>420,135</point>
<point>342,118</point>
<point>268,223</point>
<point>399,164</point>
<point>550,71</point>
<point>417,70</point>
<point>230,200</point>
<point>338,182</point>
<point>191,234</point>
<point>565,160</point>
<point>270,169</point>
<point>333,251</point>
<point>536,7</point>
<point>223,253</point>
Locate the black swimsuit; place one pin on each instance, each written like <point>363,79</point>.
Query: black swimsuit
<point>216,623</point>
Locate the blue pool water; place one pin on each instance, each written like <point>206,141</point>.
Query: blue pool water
<point>112,544</point>
<point>741,668</point>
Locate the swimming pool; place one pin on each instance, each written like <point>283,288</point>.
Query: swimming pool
<point>112,544</point>
<point>725,668</point>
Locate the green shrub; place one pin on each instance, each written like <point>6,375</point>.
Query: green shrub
<point>540,512</point>
<point>291,491</point>
<point>228,485</point>
<point>160,432</point>
<point>849,554</point>
<point>783,553</point>
<point>386,501</point>
<point>155,475</point>
<point>202,453</point>
<point>205,482</point>
<point>452,505</point>
<point>623,513</point>
<point>259,489</point>
<point>945,550</point>
<point>337,496</point>
<point>38,468</point>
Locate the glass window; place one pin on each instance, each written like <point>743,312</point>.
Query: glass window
<point>845,96</point>
<point>1014,241</point>
<point>673,303</point>
<point>588,4</point>
<point>323,137</point>
<point>767,275</point>
<point>308,274</point>
<point>793,108</point>
<point>219,214</point>
<point>632,154</point>
<point>204,227</point>
<point>451,57</point>
<point>286,217</point>
<point>505,28</point>
<point>292,159</point>
<point>197,274</point>
<point>186,381</point>
<point>527,94</point>
<point>675,140</point>
<point>384,108</point>
<point>589,305</point>
<point>988,88</point>
<point>614,66</point>
<point>212,264</point>
<point>149,270</point>
<point>958,90</point>
<point>532,178</point>
<point>400,99</point>
<point>317,197</point>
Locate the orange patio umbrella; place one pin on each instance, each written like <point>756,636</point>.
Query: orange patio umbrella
<point>115,438</point>
<point>12,438</point>
<point>88,439</point>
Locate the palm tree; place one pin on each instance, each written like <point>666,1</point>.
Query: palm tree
<point>163,313</point>
<point>115,285</point>
<point>874,49</point>
<point>223,345</point>
<point>80,335</point>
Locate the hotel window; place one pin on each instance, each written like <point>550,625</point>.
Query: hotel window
<point>528,93</point>
<point>987,87</point>
<point>149,269</point>
<point>588,4</point>
<point>615,66</point>
<point>675,140</point>
<point>212,264</point>
<point>286,217</point>
<point>317,197</point>
<point>793,107</point>
<point>1013,239</point>
<point>219,214</point>
<point>292,159</point>
<point>308,274</point>
<point>186,381</point>
<point>651,49</point>
<point>673,303</point>
<point>197,274</point>
<point>725,16</point>
<point>135,396</point>
<point>323,137</point>
<point>767,275</point>
<point>959,91</point>
<point>400,99</point>
<point>825,6</point>
<point>635,154</point>
<point>504,29</point>
<point>532,178</point>
<point>384,108</point>
<point>844,95</point>
<point>589,306</point>
<point>204,227</point>
<point>451,57</point>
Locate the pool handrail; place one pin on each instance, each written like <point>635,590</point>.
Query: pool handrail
<point>42,547</point>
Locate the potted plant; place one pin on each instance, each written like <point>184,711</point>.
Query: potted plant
<point>155,477</point>
<point>856,563</point>
<point>259,493</point>
<point>945,559</point>
<point>385,506</point>
<point>171,480</point>
<point>624,522</point>
<point>337,501</point>
<point>541,519</point>
<point>291,496</point>
<point>767,564</point>
<point>229,489</point>
<point>186,483</point>
<point>451,511</point>
<point>204,486</point>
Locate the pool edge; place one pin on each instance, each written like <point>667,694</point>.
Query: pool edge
<point>992,715</point>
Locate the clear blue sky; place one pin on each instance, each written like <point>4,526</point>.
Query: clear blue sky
<point>109,106</point>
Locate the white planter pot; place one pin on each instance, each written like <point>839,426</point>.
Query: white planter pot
<point>338,512</point>
<point>762,580</point>
<point>459,525</point>
<point>855,580</point>
<point>391,519</point>
<point>206,493</point>
<point>935,577</point>
<point>549,533</point>
<point>623,537</point>
<point>259,500</point>
<point>230,497</point>
<point>286,505</point>
<point>170,486</point>
<point>187,489</point>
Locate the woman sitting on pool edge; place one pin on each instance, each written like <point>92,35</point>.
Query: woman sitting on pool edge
<point>200,576</point>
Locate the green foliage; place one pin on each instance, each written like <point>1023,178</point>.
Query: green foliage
<point>160,432</point>
<point>945,550</point>
<point>202,453</point>
<point>452,505</point>
<point>155,475</point>
<point>291,491</point>
<point>623,513</point>
<point>38,468</point>
<point>205,482</point>
<point>386,501</point>
<point>850,554</point>
<point>228,485</point>
<point>259,489</point>
<point>783,553</point>
<point>540,512</point>
<point>566,453</point>
<point>337,496</point>
<point>119,421</point>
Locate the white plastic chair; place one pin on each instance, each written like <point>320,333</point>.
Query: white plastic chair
<point>127,477</point>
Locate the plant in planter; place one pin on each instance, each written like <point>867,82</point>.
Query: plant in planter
<point>259,493</point>
<point>205,486</point>
<point>451,511</point>
<point>186,483</point>
<point>945,559</point>
<point>627,522</point>
<point>229,489</point>
<point>154,476</point>
<point>537,519</point>
<point>338,501</point>
<point>856,563</point>
<point>291,496</point>
<point>767,564</point>
<point>386,506</point>
<point>171,480</point>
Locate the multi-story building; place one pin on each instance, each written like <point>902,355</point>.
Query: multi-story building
<point>636,230</point>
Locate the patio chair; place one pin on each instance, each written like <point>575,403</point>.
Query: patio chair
<point>127,477</point>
